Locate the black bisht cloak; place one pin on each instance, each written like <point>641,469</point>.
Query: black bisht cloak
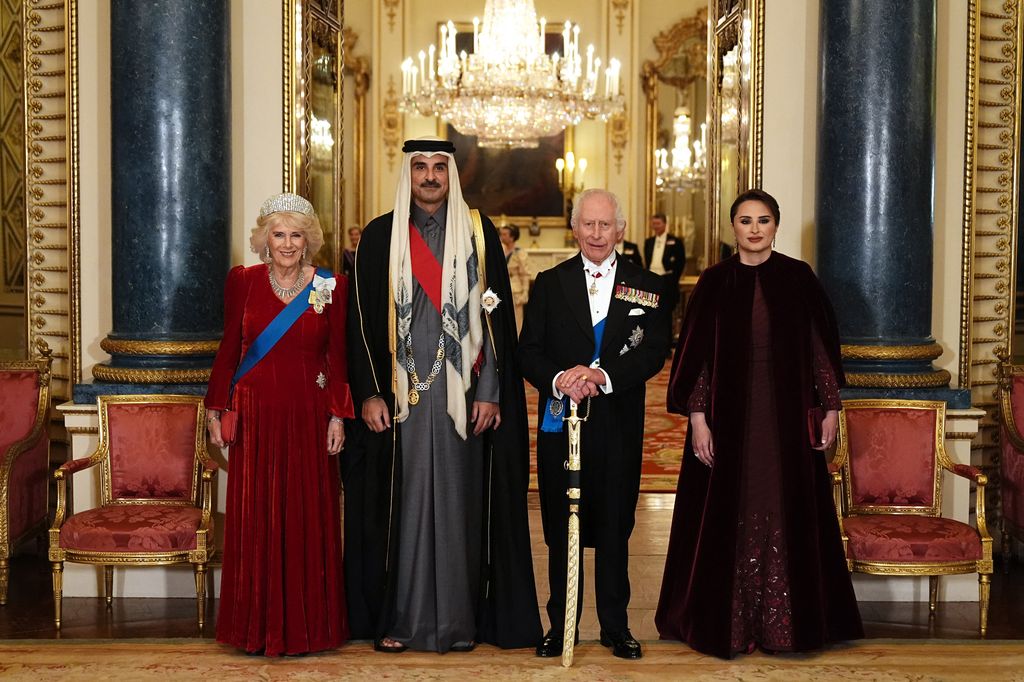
<point>507,615</point>
<point>696,594</point>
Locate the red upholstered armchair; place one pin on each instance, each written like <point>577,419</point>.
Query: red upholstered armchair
<point>24,455</point>
<point>155,493</point>
<point>888,473</point>
<point>1011,464</point>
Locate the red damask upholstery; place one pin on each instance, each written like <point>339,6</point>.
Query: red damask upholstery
<point>131,528</point>
<point>892,456</point>
<point>24,455</point>
<point>156,493</point>
<point>895,462</point>
<point>152,450</point>
<point>910,538</point>
<point>1012,463</point>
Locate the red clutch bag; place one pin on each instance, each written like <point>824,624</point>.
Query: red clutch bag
<point>229,426</point>
<point>815,416</point>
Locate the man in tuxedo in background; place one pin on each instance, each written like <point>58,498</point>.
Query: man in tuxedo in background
<point>629,251</point>
<point>664,254</point>
<point>596,328</point>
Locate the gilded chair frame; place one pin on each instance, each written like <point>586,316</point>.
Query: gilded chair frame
<point>843,496</point>
<point>204,470</point>
<point>8,544</point>
<point>1005,373</point>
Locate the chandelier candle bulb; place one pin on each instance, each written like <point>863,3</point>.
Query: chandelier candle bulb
<point>543,30</point>
<point>476,35</point>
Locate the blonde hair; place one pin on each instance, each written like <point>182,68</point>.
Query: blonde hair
<point>308,225</point>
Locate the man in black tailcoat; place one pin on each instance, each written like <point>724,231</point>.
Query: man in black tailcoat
<point>596,329</point>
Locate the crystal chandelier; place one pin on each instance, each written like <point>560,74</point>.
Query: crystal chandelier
<point>686,169</point>
<point>509,92</point>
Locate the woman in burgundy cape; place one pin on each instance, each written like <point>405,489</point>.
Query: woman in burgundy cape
<point>755,557</point>
<point>281,587</point>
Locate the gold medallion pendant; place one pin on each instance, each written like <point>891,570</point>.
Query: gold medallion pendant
<point>414,396</point>
<point>556,408</point>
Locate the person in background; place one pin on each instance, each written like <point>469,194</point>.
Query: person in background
<point>348,261</point>
<point>629,251</point>
<point>518,270</point>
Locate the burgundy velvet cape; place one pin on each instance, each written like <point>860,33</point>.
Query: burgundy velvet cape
<point>696,594</point>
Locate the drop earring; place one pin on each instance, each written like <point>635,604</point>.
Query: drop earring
<point>266,254</point>
<point>303,253</point>
<point>773,243</point>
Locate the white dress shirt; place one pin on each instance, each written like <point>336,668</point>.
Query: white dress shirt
<point>658,253</point>
<point>600,278</point>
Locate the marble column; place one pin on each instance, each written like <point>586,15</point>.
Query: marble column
<point>875,190</point>
<point>171,192</point>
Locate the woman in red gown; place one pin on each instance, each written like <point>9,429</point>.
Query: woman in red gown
<point>755,557</point>
<point>282,587</point>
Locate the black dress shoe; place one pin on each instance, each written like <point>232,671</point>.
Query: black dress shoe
<point>463,646</point>
<point>551,645</point>
<point>622,644</point>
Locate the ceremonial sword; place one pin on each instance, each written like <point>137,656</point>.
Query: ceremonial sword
<point>573,566</point>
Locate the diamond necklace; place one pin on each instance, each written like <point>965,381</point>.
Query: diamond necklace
<point>291,291</point>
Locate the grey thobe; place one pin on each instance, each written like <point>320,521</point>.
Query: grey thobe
<point>441,517</point>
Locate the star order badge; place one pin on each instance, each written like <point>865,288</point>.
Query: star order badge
<point>636,337</point>
<point>321,380</point>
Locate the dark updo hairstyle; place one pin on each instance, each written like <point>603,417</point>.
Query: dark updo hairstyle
<point>513,230</point>
<point>756,195</point>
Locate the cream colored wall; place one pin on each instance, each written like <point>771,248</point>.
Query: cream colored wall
<point>94,179</point>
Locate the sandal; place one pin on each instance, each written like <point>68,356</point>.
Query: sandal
<point>388,645</point>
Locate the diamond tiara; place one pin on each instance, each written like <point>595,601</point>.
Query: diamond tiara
<point>286,202</point>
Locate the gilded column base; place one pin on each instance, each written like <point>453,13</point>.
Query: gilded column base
<point>933,379</point>
<point>144,347</point>
<point>138,375</point>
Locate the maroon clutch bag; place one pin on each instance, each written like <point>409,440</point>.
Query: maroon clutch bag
<point>229,426</point>
<point>815,416</point>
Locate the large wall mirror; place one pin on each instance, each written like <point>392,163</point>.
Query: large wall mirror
<point>702,125</point>
<point>675,130</point>
<point>313,115</point>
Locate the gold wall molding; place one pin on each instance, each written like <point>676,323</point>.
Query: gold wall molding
<point>391,123</point>
<point>960,435</point>
<point>359,69</point>
<point>618,136</point>
<point>138,347</point>
<point>391,8</point>
<point>990,217</point>
<point>50,59</point>
<point>620,8</point>
<point>133,375</point>
<point>928,351</point>
<point>933,379</point>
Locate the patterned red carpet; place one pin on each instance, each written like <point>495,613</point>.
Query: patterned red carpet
<point>663,439</point>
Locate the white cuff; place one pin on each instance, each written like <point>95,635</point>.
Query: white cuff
<point>606,388</point>
<point>554,391</point>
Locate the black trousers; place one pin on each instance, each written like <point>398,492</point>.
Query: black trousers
<point>607,525</point>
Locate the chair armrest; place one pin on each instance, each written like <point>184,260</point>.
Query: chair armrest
<point>75,465</point>
<point>210,465</point>
<point>970,472</point>
<point>834,469</point>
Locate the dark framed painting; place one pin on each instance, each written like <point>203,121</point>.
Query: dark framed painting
<point>518,185</point>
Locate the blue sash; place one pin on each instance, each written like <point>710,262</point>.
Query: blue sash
<point>273,332</point>
<point>553,423</point>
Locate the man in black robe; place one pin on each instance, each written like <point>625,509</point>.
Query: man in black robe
<point>596,329</point>
<point>437,544</point>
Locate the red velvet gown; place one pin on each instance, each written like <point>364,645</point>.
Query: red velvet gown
<point>281,587</point>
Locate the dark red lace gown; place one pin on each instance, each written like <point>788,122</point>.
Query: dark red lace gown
<point>282,587</point>
<point>761,609</point>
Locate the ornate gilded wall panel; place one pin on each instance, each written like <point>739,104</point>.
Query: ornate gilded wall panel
<point>12,157</point>
<point>991,208</point>
<point>51,184</point>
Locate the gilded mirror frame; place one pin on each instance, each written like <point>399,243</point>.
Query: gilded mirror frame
<point>306,24</point>
<point>733,23</point>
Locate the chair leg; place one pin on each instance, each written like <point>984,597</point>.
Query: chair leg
<point>984,587</point>
<point>933,594</point>
<point>200,573</point>
<point>5,574</point>
<point>58,588</point>
<point>108,584</point>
